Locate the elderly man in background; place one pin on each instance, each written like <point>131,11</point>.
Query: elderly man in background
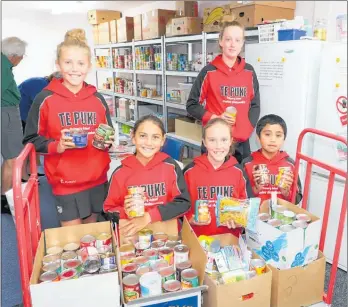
<point>12,53</point>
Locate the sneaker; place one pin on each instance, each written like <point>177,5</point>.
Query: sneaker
<point>5,207</point>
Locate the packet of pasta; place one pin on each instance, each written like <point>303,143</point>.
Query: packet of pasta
<point>242,211</point>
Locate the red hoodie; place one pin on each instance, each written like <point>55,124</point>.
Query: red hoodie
<point>57,108</point>
<point>282,159</point>
<point>165,187</point>
<point>218,87</point>
<point>206,183</point>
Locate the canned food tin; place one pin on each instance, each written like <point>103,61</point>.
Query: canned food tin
<point>140,247</point>
<point>87,240</point>
<point>69,274</point>
<point>150,284</point>
<point>102,134</point>
<point>142,270</point>
<point>92,264</point>
<point>73,264</point>
<point>127,249</point>
<point>280,181</point>
<point>130,268</point>
<point>303,217</point>
<point>181,253</point>
<point>181,267</point>
<point>159,264</point>
<point>174,238</point>
<point>52,267</point>
<point>171,286</point>
<point>86,252</point>
<point>286,228</point>
<point>160,236</point>
<point>54,250</point>
<point>189,279</point>
<point>145,236</point>
<point>51,258</point>
<point>103,239</point>
<point>127,259</point>
<point>131,288</point>
<point>68,256</point>
<point>71,247</point>
<point>278,212</point>
<point>264,217</point>
<point>157,244</point>
<point>167,254</point>
<point>172,244</point>
<point>300,224</point>
<point>288,217</point>
<point>275,223</point>
<point>151,254</point>
<point>107,259</point>
<point>167,273</point>
<point>264,178</point>
<point>49,277</point>
<point>104,249</point>
<point>79,137</point>
<point>141,261</point>
<point>258,265</point>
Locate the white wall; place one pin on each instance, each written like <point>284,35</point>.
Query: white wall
<point>152,5</point>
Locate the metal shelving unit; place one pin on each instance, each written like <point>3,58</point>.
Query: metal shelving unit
<point>251,35</point>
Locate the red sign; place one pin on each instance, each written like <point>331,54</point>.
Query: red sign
<point>341,106</point>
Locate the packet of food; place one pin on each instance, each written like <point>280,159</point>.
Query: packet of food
<point>243,212</point>
<point>202,213</point>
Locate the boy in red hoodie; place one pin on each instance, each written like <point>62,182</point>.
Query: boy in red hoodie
<point>271,169</point>
<point>215,173</point>
<point>78,176</point>
<point>165,192</point>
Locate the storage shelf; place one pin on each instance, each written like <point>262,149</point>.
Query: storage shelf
<point>149,72</point>
<point>174,105</point>
<point>248,32</point>
<point>149,100</point>
<point>179,39</point>
<point>121,45</point>
<point>122,121</point>
<point>157,41</point>
<point>123,95</point>
<point>186,141</point>
<point>105,92</point>
<point>128,71</point>
<point>103,69</point>
<point>182,73</point>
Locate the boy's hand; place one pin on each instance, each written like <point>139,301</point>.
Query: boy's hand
<point>65,142</point>
<point>257,178</point>
<point>131,227</point>
<point>108,144</point>
<point>288,178</point>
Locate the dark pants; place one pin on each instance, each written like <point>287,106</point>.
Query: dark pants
<point>23,125</point>
<point>241,150</point>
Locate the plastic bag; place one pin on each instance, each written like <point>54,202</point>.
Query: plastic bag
<point>242,211</point>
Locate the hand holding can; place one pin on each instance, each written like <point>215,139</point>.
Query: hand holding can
<point>66,141</point>
<point>230,115</point>
<point>135,202</point>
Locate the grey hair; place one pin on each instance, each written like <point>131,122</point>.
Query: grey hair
<point>13,46</point>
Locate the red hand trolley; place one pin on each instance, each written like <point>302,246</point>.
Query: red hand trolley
<point>27,210</point>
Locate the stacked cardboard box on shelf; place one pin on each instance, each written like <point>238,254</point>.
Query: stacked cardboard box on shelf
<point>125,29</point>
<point>154,23</point>
<point>186,8</point>
<point>138,30</point>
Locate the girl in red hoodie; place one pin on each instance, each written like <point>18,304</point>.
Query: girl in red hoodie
<point>78,175</point>
<point>228,82</point>
<point>215,173</point>
<point>165,193</point>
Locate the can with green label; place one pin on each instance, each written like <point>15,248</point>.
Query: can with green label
<point>101,135</point>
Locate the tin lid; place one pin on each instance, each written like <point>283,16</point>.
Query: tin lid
<point>51,267</point>
<point>130,267</point>
<point>140,260</point>
<point>184,265</point>
<point>165,251</point>
<point>157,244</point>
<point>54,250</point>
<point>50,258</point>
<point>69,255</point>
<point>182,248</point>
<point>71,247</point>
<point>87,239</point>
<point>142,270</point>
<point>69,273</point>
<point>166,271</point>
<point>289,214</point>
<point>131,280</point>
<point>172,285</point>
<point>48,276</point>
<point>189,273</point>
<point>72,264</point>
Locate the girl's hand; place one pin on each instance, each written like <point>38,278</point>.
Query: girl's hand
<point>193,222</point>
<point>65,142</point>
<point>228,118</point>
<point>131,227</point>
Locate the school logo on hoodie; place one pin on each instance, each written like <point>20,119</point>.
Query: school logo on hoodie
<point>77,118</point>
<point>153,192</point>
<point>212,192</point>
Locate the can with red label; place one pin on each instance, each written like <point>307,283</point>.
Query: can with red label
<point>167,273</point>
<point>131,288</point>
<point>127,259</point>
<point>127,249</point>
<point>103,239</point>
<point>130,268</point>
<point>140,247</point>
<point>73,264</point>
<point>87,240</point>
<point>157,244</point>
<point>181,253</point>
<point>172,286</point>
<point>167,254</point>
<point>69,274</point>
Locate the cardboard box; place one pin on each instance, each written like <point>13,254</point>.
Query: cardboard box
<point>138,32</point>
<point>154,23</point>
<point>252,15</point>
<point>284,250</point>
<point>104,33</point>
<point>125,29</point>
<point>171,125</point>
<point>196,255</point>
<point>186,8</point>
<point>169,28</point>
<point>282,4</point>
<point>123,107</point>
<point>186,26</point>
<point>113,31</point>
<point>95,17</point>
<point>259,287</point>
<point>64,293</point>
<point>95,34</point>
<point>212,17</point>
<point>301,286</point>
<point>188,128</point>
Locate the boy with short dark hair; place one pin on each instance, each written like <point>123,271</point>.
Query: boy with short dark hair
<point>271,169</point>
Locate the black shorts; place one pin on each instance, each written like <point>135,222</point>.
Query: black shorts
<point>82,204</point>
